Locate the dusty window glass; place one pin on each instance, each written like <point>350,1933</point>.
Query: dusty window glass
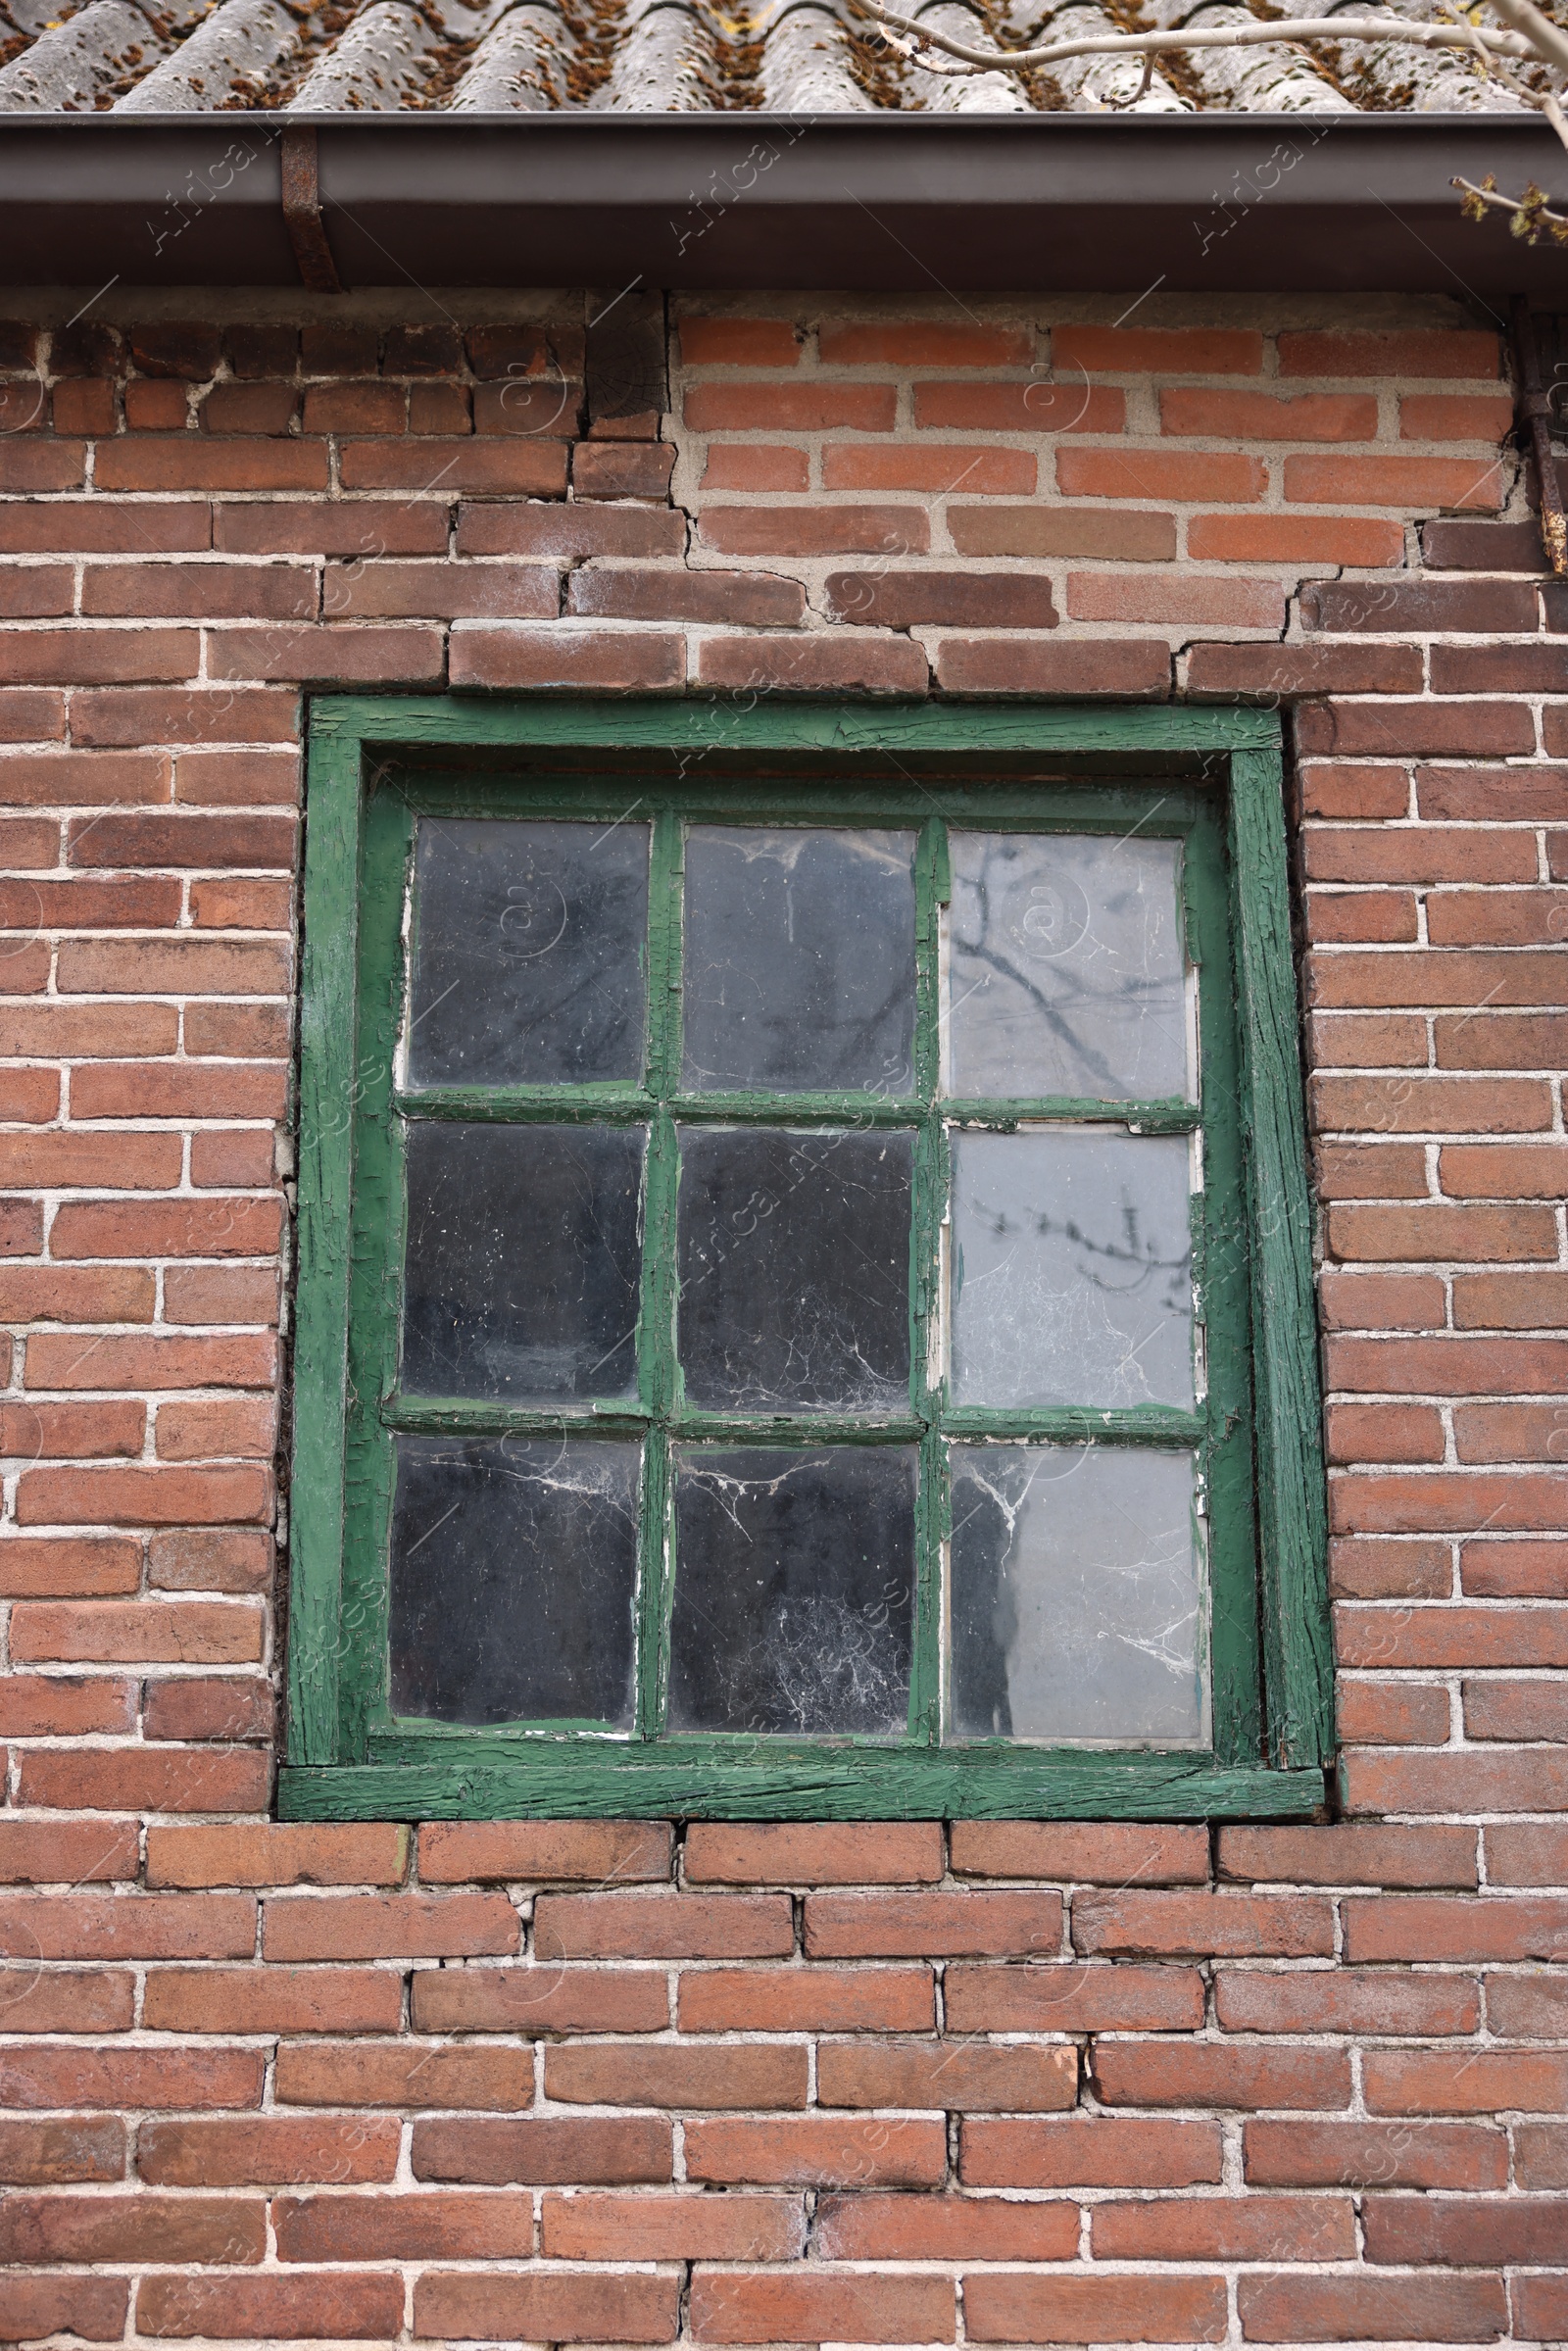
<point>513,1569</point>
<point>529,952</point>
<point>522,1260</point>
<point>794,1264</point>
<point>1066,973</point>
<point>1077,1596</point>
<point>793,1590</point>
<point>1072,1268</point>
<point>799,960</point>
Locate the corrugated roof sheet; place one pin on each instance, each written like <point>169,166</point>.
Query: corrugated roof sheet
<point>800,57</point>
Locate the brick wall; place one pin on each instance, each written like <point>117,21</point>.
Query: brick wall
<point>1018,2083</point>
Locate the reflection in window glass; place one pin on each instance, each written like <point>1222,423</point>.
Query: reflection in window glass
<point>513,1569</point>
<point>794,1258</point>
<point>529,946</point>
<point>1076,1595</point>
<point>793,1590</point>
<point>1071,1268</point>
<point>524,1262</point>
<point>800,961</point>
<point>1065,967</point>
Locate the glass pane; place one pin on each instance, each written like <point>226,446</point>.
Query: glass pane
<point>1065,967</point>
<point>1077,1604</point>
<point>514,1572</point>
<point>800,961</point>
<point>1071,1268</point>
<point>794,1261</point>
<point>529,943</point>
<point>793,1590</point>
<point>524,1262</point>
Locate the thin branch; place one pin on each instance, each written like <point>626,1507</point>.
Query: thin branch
<point>1533,216</point>
<point>1298,30</point>
<point>1546,40</point>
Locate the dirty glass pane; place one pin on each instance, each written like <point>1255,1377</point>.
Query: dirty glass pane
<point>793,1590</point>
<point>1065,967</point>
<point>793,1263</point>
<point>513,1568</point>
<point>529,947</point>
<point>523,1261</point>
<point>1077,1602</point>
<point>800,961</point>
<point>1071,1268</point>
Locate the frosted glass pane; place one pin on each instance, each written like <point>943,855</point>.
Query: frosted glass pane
<point>1071,1268</point>
<point>529,947</point>
<point>800,961</point>
<point>793,1590</point>
<point>1077,1596</point>
<point>1065,967</point>
<point>794,1255</point>
<point>513,1566</point>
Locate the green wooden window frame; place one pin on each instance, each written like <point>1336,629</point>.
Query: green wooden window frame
<point>1213,778</point>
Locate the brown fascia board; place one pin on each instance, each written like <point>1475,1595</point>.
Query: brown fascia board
<point>918,203</point>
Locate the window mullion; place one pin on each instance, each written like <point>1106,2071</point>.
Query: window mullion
<point>925,1334</point>
<point>657,1374</point>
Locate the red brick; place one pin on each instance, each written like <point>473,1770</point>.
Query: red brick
<point>680,2228</point>
<point>1533,1854</point>
<point>192,462</point>
<point>1514,1570</point>
<point>932,1925</point>
<point>1040,407</point>
<point>341,2304</point>
<point>269,2150</point>
<point>552,656</point>
<point>1434,1230</point>
<point>1210,2074</point>
<point>1452,1637</point>
<point>773,2306</point>
<point>547,1851</point>
<point>68,1569</point>
<point>1232,479</point>
<point>1541,2160</point>
<point>414,1925</point>
<point>818,2151</point>
<point>1466,1782</point>
<point>1100,533</point>
<point>813,407</point>
<point>552,2150</point>
<point>199,591</point>
<point>172,1631</point>
<point>1515,1928</point>
<point>1465,2082</point>
<point>120,2077</point>
<point>749,465</point>
<point>1158,350</point>
<point>1413,351</point>
<point>1293,670</point>
<point>871,2228</point>
<point>1004,2306</point>
<point>36,592</point>
<point>806,1999</point>
<point>147,1779</point>
<point>890,1853</point>
<point>955,2077</point>
<point>1105,1852</point>
<point>1487,918</point>
<point>917,344</point>
<point>101,526</point>
<point>1225,1926</point>
<point>740,343</point>
<point>197,1560</point>
<point>221,1293</point>
<point>67,1853</point>
<point>1102,2151</point>
<point>404,2227</point>
<point>1072,1997</point>
<point>268,1854</point>
<point>360,526</point>
<point>944,468</point>
<point>93,2308</point>
<point>1453,417</point>
<point>1227,2229</point>
<point>571,534</point>
<point>662,1925</point>
<point>836,662</point>
<point>1385,1433</point>
<point>621,469</point>
<point>64,1705</point>
<point>134,2228</point>
<point>609,2074</point>
<point>1293,539</point>
<point>1244,417</point>
<point>370,2074</point>
<point>1128,666</point>
<point>189,1228</point>
<point>1355,1300</point>
<point>28,714</point>
<point>1343,1999</point>
<point>1466,2233</point>
<point>55,2154</point>
<point>1540,2308</point>
<point>566,2306</point>
<point>1188,600</point>
<point>1400,1714</point>
<point>251,1999</point>
<point>807,530</point>
<point>1342,2154</point>
<point>536,2001</point>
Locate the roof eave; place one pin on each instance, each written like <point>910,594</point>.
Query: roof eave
<point>906,203</point>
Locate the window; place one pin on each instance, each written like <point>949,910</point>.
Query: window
<point>805,1303</point>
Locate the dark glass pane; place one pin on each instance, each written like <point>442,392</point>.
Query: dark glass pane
<point>1072,1268</point>
<point>1077,1602</point>
<point>529,943</point>
<point>524,1260</point>
<point>793,1590</point>
<point>800,961</point>
<point>794,1260</point>
<point>514,1573</point>
<point>1065,967</point>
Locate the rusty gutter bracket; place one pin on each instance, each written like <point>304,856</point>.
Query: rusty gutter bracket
<point>302,210</point>
<point>1535,411</point>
